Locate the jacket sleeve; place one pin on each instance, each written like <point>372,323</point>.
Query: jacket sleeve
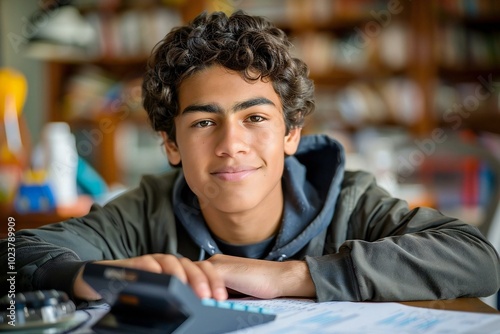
<point>50,257</point>
<point>380,250</point>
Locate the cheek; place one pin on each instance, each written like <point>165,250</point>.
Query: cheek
<point>272,146</point>
<point>194,179</point>
<point>189,145</point>
<point>271,136</point>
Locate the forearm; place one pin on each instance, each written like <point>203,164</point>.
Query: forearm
<point>50,257</point>
<point>41,265</point>
<point>422,266</point>
<point>59,274</point>
<point>38,264</point>
<point>265,279</point>
<point>392,253</point>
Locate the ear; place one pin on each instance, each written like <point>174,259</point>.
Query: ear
<point>173,154</point>
<point>292,140</point>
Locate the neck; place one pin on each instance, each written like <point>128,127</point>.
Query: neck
<point>251,226</point>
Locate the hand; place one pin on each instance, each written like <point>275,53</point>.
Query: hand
<point>264,279</point>
<point>201,276</point>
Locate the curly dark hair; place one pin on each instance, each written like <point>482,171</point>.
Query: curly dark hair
<point>243,43</point>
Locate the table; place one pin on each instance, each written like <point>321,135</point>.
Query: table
<point>459,304</point>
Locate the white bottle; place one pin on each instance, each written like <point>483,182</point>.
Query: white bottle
<point>61,162</point>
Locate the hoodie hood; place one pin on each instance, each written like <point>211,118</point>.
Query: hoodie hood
<point>311,184</point>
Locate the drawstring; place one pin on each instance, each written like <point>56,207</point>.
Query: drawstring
<point>201,257</point>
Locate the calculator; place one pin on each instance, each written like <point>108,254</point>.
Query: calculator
<point>146,302</point>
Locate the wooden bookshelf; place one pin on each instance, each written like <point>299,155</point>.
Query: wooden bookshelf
<point>468,63</point>
<point>329,24</point>
<point>350,42</point>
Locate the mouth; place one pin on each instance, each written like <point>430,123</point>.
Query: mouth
<point>234,173</point>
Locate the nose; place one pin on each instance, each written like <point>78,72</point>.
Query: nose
<point>232,139</point>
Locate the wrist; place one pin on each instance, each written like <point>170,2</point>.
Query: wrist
<point>82,290</point>
<point>296,280</point>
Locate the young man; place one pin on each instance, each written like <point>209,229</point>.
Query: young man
<point>253,208</point>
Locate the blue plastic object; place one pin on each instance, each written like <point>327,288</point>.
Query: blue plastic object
<point>34,198</point>
<point>89,181</point>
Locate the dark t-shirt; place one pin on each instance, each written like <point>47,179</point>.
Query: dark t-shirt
<point>252,251</point>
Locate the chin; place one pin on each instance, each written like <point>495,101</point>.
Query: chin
<point>235,204</point>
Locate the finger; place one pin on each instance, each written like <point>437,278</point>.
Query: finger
<point>215,280</point>
<point>171,265</point>
<point>145,262</point>
<point>196,278</point>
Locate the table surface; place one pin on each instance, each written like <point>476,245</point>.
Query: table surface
<point>459,304</point>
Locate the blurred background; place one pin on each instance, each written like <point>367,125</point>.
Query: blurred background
<point>411,88</point>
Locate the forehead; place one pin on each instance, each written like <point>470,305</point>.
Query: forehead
<point>217,84</point>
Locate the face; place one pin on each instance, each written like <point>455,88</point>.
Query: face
<point>231,141</point>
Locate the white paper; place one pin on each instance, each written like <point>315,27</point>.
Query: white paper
<point>305,316</point>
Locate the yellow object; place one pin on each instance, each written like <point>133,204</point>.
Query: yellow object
<point>226,6</point>
<point>14,84</point>
<point>38,177</point>
<point>13,88</point>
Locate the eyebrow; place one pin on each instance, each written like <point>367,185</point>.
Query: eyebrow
<point>215,108</point>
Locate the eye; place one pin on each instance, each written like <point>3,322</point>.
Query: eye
<point>203,124</point>
<point>256,119</point>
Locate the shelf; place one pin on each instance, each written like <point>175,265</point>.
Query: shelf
<point>340,77</point>
<point>72,55</point>
<point>105,61</point>
<point>484,121</point>
<point>480,22</point>
<point>134,117</point>
<point>458,74</point>
<point>339,24</point>
<point>35,220</point>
